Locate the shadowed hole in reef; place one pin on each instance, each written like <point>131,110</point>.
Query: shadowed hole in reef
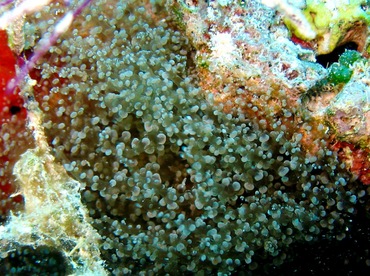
<point>14,109</point>
<point>328,59</point>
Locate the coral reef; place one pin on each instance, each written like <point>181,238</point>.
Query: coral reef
<point>326,24</point>
<point>53,215</point>
<point>249,62</point>
<point>12,123</point>
<point>181,136</point>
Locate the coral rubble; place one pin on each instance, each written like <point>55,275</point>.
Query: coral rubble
<point>181,136</point>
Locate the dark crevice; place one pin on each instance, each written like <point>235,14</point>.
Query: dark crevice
<point>329,59</point>
<point>14,109</point>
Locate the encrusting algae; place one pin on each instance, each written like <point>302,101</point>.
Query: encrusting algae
<point>53,215</point>
<point>179,137</point>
